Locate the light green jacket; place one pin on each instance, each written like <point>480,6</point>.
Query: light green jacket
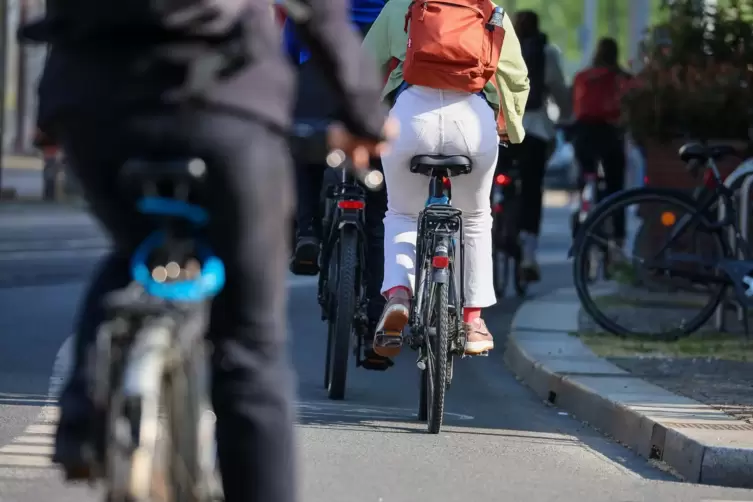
<point>387,39</point>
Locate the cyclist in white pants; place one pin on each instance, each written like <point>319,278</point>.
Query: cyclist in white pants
<point>442,122</point>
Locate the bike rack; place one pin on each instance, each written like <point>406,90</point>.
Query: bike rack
<point>744,172</point>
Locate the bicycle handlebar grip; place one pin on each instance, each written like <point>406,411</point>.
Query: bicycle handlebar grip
<point>371,179</point>
<point>309,145</point>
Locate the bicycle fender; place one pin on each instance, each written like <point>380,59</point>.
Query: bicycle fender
<point>440,275</point>
<point>346,222</point>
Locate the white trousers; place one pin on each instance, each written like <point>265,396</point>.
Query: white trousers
<point>440,122</point>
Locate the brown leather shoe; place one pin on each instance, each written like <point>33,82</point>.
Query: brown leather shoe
<point>477,338</point>
<point>388,339</point>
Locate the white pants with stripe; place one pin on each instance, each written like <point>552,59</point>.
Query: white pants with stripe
<point>441,123</point>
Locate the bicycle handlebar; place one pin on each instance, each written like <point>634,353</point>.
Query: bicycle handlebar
<point>308,142</point>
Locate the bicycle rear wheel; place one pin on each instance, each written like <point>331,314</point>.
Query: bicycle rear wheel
<point>344,309</point>
<point>437,351</point>
<point>663,268</point>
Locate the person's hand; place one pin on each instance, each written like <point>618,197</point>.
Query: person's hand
<point>359,150</point>
<point>503,136</point>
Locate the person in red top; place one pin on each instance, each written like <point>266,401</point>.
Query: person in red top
<point>598,134</point>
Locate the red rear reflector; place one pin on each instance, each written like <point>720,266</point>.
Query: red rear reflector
<point>503,179</point>
<point>446,182</point>
<point>440,261</point>
<point>351,204</point>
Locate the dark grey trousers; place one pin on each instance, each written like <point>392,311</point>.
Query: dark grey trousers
<point>250,200</point>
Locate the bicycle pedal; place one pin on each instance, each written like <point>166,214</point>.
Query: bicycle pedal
<point>388,339</point>
<point>375,363</point>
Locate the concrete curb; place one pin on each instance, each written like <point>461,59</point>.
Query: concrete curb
<point>702,444</point>
<point>34,163</point>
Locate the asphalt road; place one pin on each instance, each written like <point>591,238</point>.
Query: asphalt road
<point>500,442</point>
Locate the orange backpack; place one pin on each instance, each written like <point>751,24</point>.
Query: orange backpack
<point>453,44</point>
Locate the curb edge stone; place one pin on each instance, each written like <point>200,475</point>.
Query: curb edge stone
<point>691,458</point>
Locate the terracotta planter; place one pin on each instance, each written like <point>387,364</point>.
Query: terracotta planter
<point>664,168</point>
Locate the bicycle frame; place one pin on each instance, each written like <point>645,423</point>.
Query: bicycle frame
<point>345,205</point>
<point>438,225</point>
<point>723,194</point>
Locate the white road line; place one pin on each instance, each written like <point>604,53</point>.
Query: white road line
<point>27,449</point>
<point>25,461</point>
<point>39,439</point>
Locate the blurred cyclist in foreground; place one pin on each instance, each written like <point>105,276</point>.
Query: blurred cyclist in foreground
<point>442,115</point>
<point>544,64</point>
<point>115,97</point>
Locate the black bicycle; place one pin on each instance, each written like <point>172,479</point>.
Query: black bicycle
<point>436,311</point>
<point>705,261</point>
<point>342,277</point>
<point>506,206</point>
<point>149,380</point>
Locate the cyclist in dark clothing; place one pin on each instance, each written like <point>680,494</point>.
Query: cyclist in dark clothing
<point>547,79</point>
<point>315,100</point>
<point>112,102</point>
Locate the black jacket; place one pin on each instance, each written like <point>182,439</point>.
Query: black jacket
<point>93,79</point>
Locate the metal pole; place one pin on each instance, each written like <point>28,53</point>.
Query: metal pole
<point>21,90</point>
<point>640,13</point>
<point>614,26</point>
<point>3,83</point>
<point>588,30</point>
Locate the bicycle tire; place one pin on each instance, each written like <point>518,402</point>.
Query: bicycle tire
<point>436,363</point>
<point>421,286</point>
<point>602,211</point>
<point>328,355</point>
<point>521,286</point>
<point>345,307</point>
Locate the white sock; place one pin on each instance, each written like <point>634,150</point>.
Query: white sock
<point>530,243</point>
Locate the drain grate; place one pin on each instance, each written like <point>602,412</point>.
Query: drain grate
<point>709,427</point>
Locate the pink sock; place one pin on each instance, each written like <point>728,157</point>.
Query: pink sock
<point>470,314</point>
<point>392,291</point>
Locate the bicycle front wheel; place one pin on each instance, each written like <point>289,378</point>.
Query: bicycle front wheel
<point>193,466</point>
<point>671,285</point>
<point>437,349</point>
<point>345,307</point>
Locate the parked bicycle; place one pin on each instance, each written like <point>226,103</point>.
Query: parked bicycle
<point>435,319</point>
<point>506,204</point>
<point>711,269</point>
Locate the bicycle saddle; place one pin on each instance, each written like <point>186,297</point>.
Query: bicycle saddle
<point>700,152</point>
<point>453,165</point>
<point>156,170</point>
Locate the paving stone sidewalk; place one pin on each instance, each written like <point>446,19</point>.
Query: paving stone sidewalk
<point>715,368</point>
<point>692,415</point>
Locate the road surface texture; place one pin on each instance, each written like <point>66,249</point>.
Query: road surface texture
<point>500,442</point>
